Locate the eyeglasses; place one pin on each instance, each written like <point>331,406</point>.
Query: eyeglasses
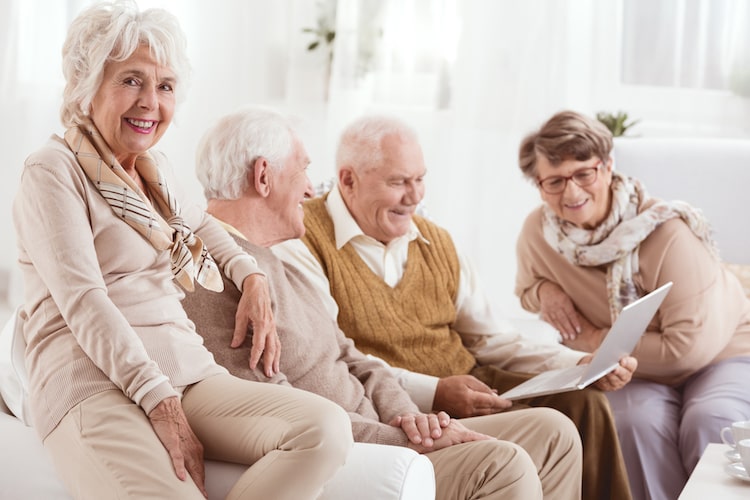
<point>556,184</point>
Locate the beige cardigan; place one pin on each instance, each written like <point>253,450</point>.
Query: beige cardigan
<point>103,310</point>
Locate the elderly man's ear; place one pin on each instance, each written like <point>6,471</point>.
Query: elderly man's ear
<point>260,177</point>
<point>347,178</point>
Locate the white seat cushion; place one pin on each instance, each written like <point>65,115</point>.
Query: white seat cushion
<point>13,379</point>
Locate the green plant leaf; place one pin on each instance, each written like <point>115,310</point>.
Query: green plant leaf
<point>617,123</point>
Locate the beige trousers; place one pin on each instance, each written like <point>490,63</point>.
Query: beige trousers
<point>295,441</point>
<point>537,455</point>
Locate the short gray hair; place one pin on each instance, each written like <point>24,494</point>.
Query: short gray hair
<point>361,143</point>
<point>113,31</point>
<point>229,149</point>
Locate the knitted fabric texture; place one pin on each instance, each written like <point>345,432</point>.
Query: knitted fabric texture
<point>409,325</point>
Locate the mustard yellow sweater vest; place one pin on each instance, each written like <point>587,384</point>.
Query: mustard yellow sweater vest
<point>409,325</point>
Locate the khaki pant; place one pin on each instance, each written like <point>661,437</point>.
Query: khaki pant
<point>604,473</point>
<point>537,455</point>
<point>295,441</point>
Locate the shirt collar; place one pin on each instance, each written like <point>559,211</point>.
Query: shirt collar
<point>346,228</point>
<point>230,229</point>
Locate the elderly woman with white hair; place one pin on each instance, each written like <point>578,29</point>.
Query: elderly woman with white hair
<point>123,392</point>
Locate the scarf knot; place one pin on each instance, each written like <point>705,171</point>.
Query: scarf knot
<point>190,259</point>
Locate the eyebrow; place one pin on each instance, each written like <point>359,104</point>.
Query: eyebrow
<point>403,176</point>
<point>143,75</point>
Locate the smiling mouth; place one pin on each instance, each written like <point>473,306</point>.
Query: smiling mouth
<point>402,212</point>
<point>144,125</point>
<point>576,205</point>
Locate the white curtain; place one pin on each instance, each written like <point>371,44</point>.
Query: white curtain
<point>472,76</point>
<point>685,43</point>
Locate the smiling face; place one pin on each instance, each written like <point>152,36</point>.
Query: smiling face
<point>290,186</point>
<point>134,105</point>
<point>382,199</point>
<point>586,206</point>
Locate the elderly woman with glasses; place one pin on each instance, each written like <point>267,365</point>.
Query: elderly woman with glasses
<point>597,243</point>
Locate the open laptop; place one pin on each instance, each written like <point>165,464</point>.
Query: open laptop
<point>619,342</point>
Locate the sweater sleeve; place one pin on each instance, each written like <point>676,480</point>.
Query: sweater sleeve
<point>381,387</point>
<point>698,318</point>
<point>366,430</point>
<point>53,227</point>
<point>388,398</point>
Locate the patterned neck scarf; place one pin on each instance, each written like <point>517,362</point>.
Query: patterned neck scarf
<point>615,241</point>
<point>189,256</point>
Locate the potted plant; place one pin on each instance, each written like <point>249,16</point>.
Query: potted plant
<point>617,123</point>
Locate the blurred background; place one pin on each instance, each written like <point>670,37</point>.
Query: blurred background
<point>472,76</point>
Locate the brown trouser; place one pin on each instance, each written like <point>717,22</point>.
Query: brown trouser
<point>604,473</point>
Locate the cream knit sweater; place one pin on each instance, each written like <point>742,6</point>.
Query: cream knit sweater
<point>103,310</point>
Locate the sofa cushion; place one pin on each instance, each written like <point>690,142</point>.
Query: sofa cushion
<point>709,173</point>
<point>13,378</point>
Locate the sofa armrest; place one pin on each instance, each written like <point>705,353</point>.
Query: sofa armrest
<point>378,472</point>
<point>371,472</point>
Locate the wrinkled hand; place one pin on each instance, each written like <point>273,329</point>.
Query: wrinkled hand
<point>620,376</point>
<point>558,310</point>
<point>174,432</point>
<point>422,428</point>
<point>589,339</point>
<point>466,396</point>
<point>254,309</point>
<point>454,433</point>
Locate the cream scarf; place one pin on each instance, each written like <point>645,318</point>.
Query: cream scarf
<point>616,240</point>
<point>189,256</point>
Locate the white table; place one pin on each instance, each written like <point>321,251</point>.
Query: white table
<point>709,480</point>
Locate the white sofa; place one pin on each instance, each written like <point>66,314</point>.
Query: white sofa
<point>372,472</point>
<point>709,173</point>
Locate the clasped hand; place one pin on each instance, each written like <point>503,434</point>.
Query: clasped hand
<point>431,432</point>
